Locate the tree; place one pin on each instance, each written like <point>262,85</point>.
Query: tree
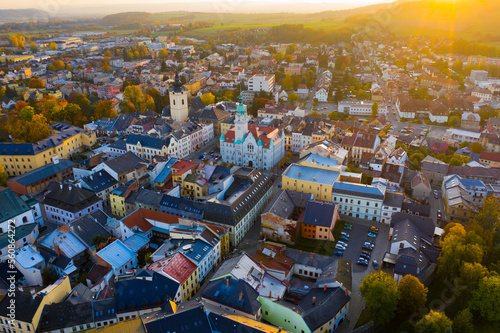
<point>476,148</point>
<point>293,98</point>
<point>464,144</point>
<point>471,274</point>
<point>487,298</point>
<point>159,101</point>
<point>454,121</point>
<point>134,95</point>
<point>208,99</point>
<point>434,322</point>
<point>455,161</point>
<point>33,47</point>
<point>374,109</point>
<point>3,176</point>
<point>381,296</point>
<point>83,102</point>
<point>98,240</point>
<point>104,108</point>
<point>488,216</point>
<point>413,295</point>
<point>36,83</point>
<point>17,41</point>
<point>27,113</point>
<point>53,46</point>
<point>163,53</point>
<point>38,129</point>
<point>71,111</point>
<point>462,323</point>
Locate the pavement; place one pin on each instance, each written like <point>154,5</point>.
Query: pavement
<point>358,235</point>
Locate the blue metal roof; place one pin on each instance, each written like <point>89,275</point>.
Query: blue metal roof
<point>358,188</point>
<point>200,250</point>
<point>310,174</point>
<point>147,141</point>
<point>116,254</point>
<point>11,205</point>
<point>136,242</point>
<point>166,171</point>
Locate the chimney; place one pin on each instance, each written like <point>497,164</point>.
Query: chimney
<point>227,283</point>
<point>241,296</point>
<point>314,300</point>
<point>300,251</point>
<point>75,294</point>
<point>346,292</point>
<point>312,255</point>
<point>269,293</point>
<point>324,287</point>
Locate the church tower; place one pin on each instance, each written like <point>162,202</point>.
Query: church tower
<point>179,110</point>
<point>240,121</point>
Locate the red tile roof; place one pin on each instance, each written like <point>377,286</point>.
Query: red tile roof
<point>179,268</point>
<point>262,133</point>
<point>495,157</point>
<point>139,219</point>
<point>183,166</point>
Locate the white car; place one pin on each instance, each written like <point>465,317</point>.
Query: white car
<point>342,243</point>
<point>340,247</point>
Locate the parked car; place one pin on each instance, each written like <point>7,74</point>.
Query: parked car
<point>372,234</point>
<point>375,264</point>
<point>340,247</point>
<point>373,228</point>
<point>347,227</point>
<point>342,243</point>
<point>344,238</point>
<point>345,234</point>
<point>366,256</point>
<point>366,252</point>
<point>367,247</point>
<point>338,253</point>
<point>362,262</point>
<point>435,194</point>
<point>439,215</point>
<point>201,157</point>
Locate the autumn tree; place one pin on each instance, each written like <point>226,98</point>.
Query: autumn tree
<point>83,102</point>
<point>17,41</point>
<point>413,295</point>
<point>488,216</point>
<point>37,129</point>
<point>27,113</point>
<point>381,296</point>
<point>3,176</point>
<point>293,98</point>
<point>374,109</point>
<point>104,108</point>
<point>487,298</point>
<point>33,47</point>
<point>208,98</point>
<point>476,148</point>
<point>133,96</point>
<point>53,46</point>
<point>434,322</point>
<point>163,53</point>
<point>36,83</point>
<point>471,274</point>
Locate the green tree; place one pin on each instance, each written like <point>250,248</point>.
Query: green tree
<point>454,121</point>
<point>487,298</point>
<point>293,98</point>
<point>471,274</point>
<point>381,296</point>
<point>434,322</point>
<point>27,113</point>
<point>462,323</point>
<point>455,161</point>
<point>464,144</point>
<point>374,109</point>
<point>33,47</point>
<point>83,102</point>
<point>413,295</point>
<point>488,216</point>
<point>104,108</point>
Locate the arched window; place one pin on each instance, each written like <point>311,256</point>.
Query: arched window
<point>183,102</point>
<point>250,147</point>
<point>174,101</point>
<point>25,219</point>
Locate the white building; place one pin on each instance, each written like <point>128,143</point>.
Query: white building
<point>250,145</point>
<point>179,110</point>
<point>31,264</point>
<point>261,82</point>
<point>361,108</point>
<point>321,95</point>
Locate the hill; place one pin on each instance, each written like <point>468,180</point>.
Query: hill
<point>125,18</point>
<point>21,15</point>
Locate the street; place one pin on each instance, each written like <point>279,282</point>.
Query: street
<point>211,145</point>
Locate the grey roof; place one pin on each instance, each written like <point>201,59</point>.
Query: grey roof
<point>285,201</point>
<point>86,228</point>
<point>319,213</point>
<point>148,141</point>
<point>104,309</point>
<point>189,320</point>
<point>29,304</point>
<point>393,199</point>
<point>42,172</point>
<point>118,144</point>
<point>56,316</point>
<point>99,181</point>
<point>61,260</point>
<point>149,197</point>
<point>18,233</point>
<point>229,296</point>
<point>68,197</point>
<point>124,162</point>
<point>424,224</point>
<point>309,259</point>
<point>416,208</point>
<point>80,294</point>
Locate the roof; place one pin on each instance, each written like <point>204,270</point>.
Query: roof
<point>104,309</point>
<point>138,220</point>
<point>68,197</point>
<point>56,316</point>
<point>97,272</point>
<point>19,233</point>
<point>136,242</point>
<point>148,197</point>
<point>190,320</point>
<point>124,162</point>
<point>198,251</point>
<point>359,139</point>
<point>311,174</point>
<point>309,258</point>
<point>368,191</point>
<point>98,181</point>
<point>116,254</point>
<point>29,303</point>
<point>11,205</point>
<point>148,141</point>
<point>86,228</point>
<point>282,204</point>
<point>36,148</point>
<point>393,199</point>
<point>213,113</point>
<point>495,157</point>
<point>320,160</point>
<point>179,267</point>
<point>228,292</point>
<point>319,213</point>
<point>42,172</point>
<point>28,257</point>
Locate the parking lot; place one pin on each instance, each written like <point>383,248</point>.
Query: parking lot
<point>358,235</point>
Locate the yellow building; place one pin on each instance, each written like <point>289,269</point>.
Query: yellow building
<point>179,268</point>
<point>194,186</point>
<point>320,162</point>
<point>18,158</point>
<point>319,182</point>
<point>225,126</point>
<point>31,307</point>
<point>118,197</point>
<point>194,85</point>
<point>223,234</point>
<point>56,94</point>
